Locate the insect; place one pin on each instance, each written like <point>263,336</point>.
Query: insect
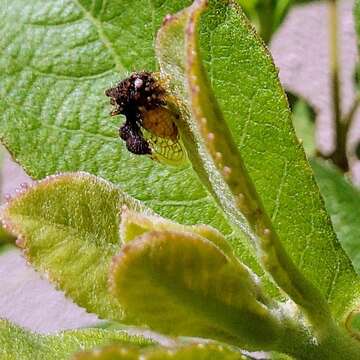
<point>150,123</point>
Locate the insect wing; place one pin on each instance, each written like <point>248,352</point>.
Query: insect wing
<point>166,150</point>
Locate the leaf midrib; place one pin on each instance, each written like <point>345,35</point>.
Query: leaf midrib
<point>67,228</point>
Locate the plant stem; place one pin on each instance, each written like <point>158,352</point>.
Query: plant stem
<point>337,345</point>
<point>339,156</point>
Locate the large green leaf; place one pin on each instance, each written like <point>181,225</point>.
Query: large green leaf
<point>54,114</point>
<point>342,201</point>
<point>68,226</point>
<point>19,344</point>
<point>255,108</point>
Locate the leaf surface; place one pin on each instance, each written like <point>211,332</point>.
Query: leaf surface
<point>68,226</point>
<point>179,283</point>
<point>17,343</point>
<point>189,352</point>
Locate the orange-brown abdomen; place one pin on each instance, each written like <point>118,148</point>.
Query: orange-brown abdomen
<point>160,122</point>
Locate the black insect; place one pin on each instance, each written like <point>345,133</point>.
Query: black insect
<point>135,143</point>
<point>137,92</point>
<point>149,128</point>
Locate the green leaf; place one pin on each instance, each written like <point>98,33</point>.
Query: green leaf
<point>342,201</point>
<point>189,352</point>
<point>68,226</point>
<point>134,224</point>
<point>54,114</point>
<point>256,111</point>
<point>17,343</point>
<point>179,283</point>
<point>229,180</point>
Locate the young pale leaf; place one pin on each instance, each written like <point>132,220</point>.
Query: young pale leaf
<point>19,344</point>
<point>182,284</point>
<point>134,224</point>
<point>342,201</point>
<point>189,352</point>
<point>256,112</point>
<point>68,226</point>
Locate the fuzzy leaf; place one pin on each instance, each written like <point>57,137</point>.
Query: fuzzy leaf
<point>68,226</point>
<point>134,224</point>
<point>17,343</point>
<point>342,201</point>
<point>189,352</point>
<point>182,284</point>
<point>256,111</point>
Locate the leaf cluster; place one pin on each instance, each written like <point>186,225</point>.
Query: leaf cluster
<point>235,247</point>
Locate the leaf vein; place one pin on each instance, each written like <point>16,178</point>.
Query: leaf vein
<point>97,24</point>
<point>71,77</point>
<point>177,202</point>
<point>279,192</point>
<point>335,275</point>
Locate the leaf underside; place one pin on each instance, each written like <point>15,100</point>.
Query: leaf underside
<point>179,283</point>
<point>68,226</point>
